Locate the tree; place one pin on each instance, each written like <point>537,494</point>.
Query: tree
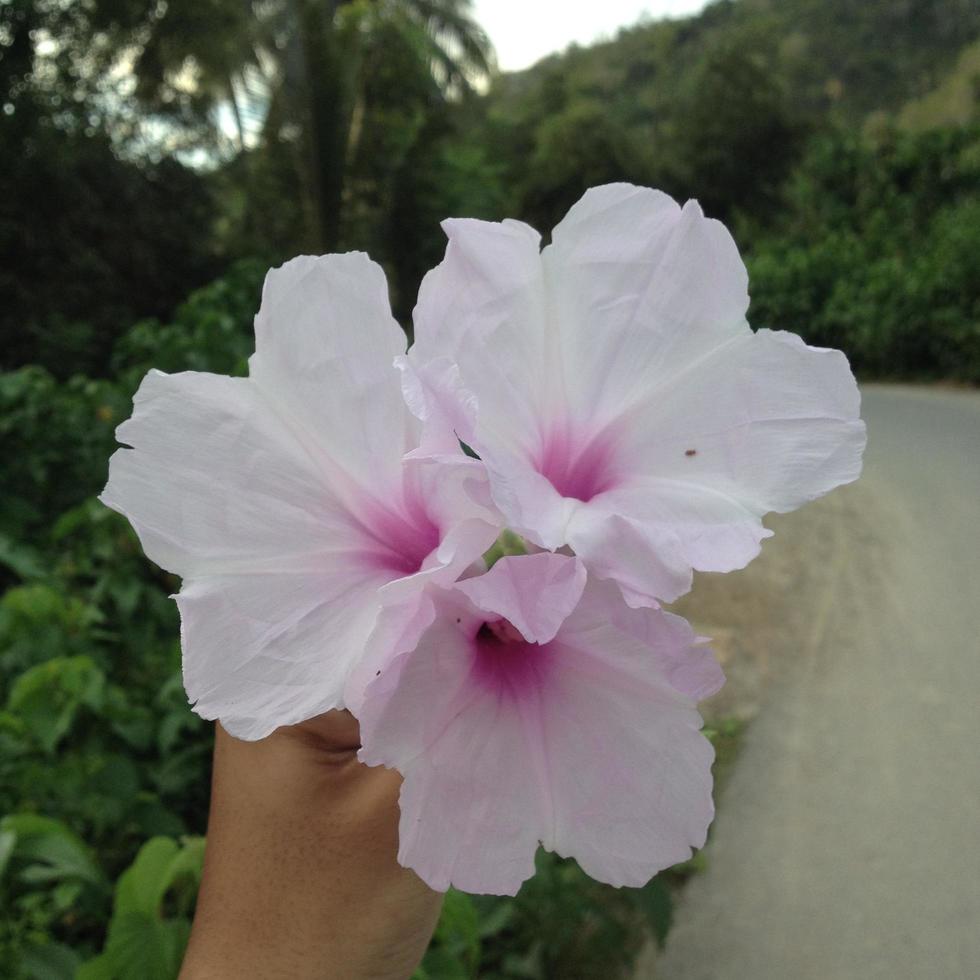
<point>300,65</point>
<point>91,241</point>
<point>734,137</point>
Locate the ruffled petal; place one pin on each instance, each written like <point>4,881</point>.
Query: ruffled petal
<point>765,425</point>
<point>641,289</point>
<point>469,807</point>
<point>481,835</point>
<point>325,343</point>
<point>589,743</point>
<point>646,563</point>
<point>629,771</point>
<point>214,482</point>
<point>535,593</point>
<point>260,651</point>
<point>484,307</point>
<point>682,657</point>
<point>437,397</point>
<point>397,630</point>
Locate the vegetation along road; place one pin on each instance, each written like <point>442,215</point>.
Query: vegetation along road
<point>848,838</point>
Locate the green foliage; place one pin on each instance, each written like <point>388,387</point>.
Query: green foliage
<point>55,439</point>
<point>48,878</point>
<point>873,253</point>
<point>95,731</point>
<point>735,135</point>
<point>151,913</point>
<point>47,697</point>
<point>455,948</point>
<point>48,850</point>
<point>211,331</point>
<point>68,295</point>
<point>560,924</point>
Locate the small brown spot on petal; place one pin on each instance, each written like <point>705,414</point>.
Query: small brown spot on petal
<point>690,452</point>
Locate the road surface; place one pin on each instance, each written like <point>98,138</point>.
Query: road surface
<point>847,844</point>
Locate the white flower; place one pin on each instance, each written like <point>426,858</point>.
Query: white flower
<point>286,502</point>
<point>531,705</point>
<point>617,395</point>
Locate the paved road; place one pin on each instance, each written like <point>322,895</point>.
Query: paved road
<point>848,839</point>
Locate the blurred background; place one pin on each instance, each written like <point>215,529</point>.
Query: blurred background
<point>157,158</point>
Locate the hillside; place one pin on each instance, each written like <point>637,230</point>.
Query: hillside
<point>720,105</point>
<point>854,58</point>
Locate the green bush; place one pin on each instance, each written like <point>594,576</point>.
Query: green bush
<point>875,254</point>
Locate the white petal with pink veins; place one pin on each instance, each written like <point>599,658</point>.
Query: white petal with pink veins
<point>288,500</point>
<point>588,743</point>
<point>535,594</point>
<point>325,341</point>
<point>216,482</point>
<point>621,403</point>
<point>642,288</point>
<point>260,651</point>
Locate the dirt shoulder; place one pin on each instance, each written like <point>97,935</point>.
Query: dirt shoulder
<point>757,615</point>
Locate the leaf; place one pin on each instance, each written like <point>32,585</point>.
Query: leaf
<point>171,727</point>
<point>154,819</point>
<point>54,961</point>
<point>158,865</point>
<point>59,853</point>
<point>142,947</point>
<point>116,779</point>
<point>48,695</point>
<point>99,968</point>
<point>141,944</point>
<point>141,886</point>
<point>88,511</point>
<point>188,864</point>
<point>7,841</point>
<point>21,559</point>
<point>440,964</point>
<point>458,931</point>
<point>497,919</point>
<point>657,905</point>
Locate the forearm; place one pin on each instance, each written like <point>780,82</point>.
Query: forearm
<point>300,877</point>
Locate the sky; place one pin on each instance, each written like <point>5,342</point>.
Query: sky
<point>523,31</point>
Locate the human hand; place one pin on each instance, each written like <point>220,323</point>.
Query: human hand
<point>300,875</point>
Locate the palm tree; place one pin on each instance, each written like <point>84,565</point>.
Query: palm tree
<point>300,65</point>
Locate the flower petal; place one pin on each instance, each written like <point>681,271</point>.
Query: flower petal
<point>397,630</point>
<point>683,657</point>
<point>436,396</point>
<point>641,289</point>
<point>468,805</point>
<point>647,563</point>
<point>629,771</point>
<point>483,306</point>
<point>592,747</point>
<point>215,482</point>
<point>325,343</point>
<point>535,593</point>
<point>765,425</point>
<point>264,650</point>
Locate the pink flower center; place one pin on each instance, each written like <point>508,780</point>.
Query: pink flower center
<point>578,466</point>
<point>506,663</point>
<point>398,542</point>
